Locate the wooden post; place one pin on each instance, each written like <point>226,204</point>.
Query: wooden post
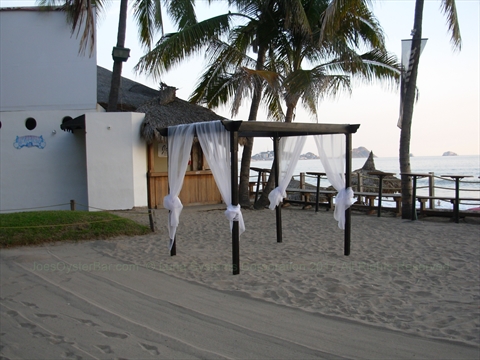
<point>302,186</point>
<point>348,171</point>
<point>150,183</point>
<point>235,196</point>
<point>72,205</point>
<point>278,209</point>
<point>150,219</point>
<point>360,186</point>
<point>431,189</point>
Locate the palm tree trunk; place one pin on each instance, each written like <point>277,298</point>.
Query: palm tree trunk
<point>244,191</point>
<point>407,110</point>
<point>117,65</point>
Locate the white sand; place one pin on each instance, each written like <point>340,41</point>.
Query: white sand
<point>408,290</point>
<point>420,277</point>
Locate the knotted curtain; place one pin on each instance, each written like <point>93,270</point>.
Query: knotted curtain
<point>331,149</point>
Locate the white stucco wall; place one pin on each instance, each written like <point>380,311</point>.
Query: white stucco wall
<point>116,161</point>
<point>42,76</point>
<point>35,178</point>
<point>40,68</point>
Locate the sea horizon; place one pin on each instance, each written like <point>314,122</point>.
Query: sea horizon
<point>468,165</point>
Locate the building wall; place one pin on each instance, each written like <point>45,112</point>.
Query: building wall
<point>117,164</point>
<point>43,168</point>
<point>42,76</point>
<point>40,68</point>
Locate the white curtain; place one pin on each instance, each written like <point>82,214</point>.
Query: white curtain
<point>215,143</point>
<point>289,151</point>
<point>180,140</point>
<point>331,149</point>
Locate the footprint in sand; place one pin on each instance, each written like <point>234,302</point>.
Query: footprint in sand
<point>28,326</point>
<point>46,316</point>
<point>105,348</point>
<point>71,355</point>
<point>32,305</point>
<point>85,322</point>
<point>113,334</point>
<point>151,349</point>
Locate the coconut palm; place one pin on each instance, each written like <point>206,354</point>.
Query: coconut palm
<point>261,20</point>
<point>147,13</point>
<point>230,74</point>
<point>334,58</point>
<point>448,7</point>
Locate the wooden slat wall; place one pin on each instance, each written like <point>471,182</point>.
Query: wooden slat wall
<point>198,188</point>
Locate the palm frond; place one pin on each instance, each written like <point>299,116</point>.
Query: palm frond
<point>173,48</point>
<point>182,12</point>
<point>79,12</point>
<point>449,9</point>
<point>148,15</point>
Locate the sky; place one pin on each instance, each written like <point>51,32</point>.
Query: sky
<point>446,116</point>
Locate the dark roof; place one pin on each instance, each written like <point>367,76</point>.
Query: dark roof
<point>131,95</point>
<point>280,129</point>
<point>161,107</point>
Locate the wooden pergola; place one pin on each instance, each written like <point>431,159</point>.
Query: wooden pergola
<point>277,130</point>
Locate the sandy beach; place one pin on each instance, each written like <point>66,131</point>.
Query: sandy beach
<point>413,280</point>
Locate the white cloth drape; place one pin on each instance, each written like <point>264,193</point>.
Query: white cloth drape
<point>180,140</point>
<point>331,149</point>
<point>289,151</point>
<point>215,143</point>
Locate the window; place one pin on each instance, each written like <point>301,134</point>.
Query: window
<point>30,123</point>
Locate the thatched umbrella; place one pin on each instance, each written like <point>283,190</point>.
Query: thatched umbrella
<point>167,110</point>
<point>391,184</point>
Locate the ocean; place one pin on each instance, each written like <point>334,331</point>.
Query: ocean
<point>438,165</point>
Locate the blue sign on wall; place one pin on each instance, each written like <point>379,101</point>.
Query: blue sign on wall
<point>29,141</point>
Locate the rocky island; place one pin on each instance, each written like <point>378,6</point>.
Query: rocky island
<point>449,153</point>
<point>360,152</point>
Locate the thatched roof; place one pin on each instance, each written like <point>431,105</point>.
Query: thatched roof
<point>131,95</point>
<point>161,107</point>
<point>168,110</point>
<point>391,184</point>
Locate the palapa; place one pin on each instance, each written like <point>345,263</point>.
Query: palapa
<point>131,94</point>
<point>391,184</point>
<point>167,110</point>
<point>161,107</point>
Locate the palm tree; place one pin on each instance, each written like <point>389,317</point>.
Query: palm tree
<point>261,21</point>
<point>335,60</point>
<point>233,74</point>
<point>409,91</point>
<point>229,72</point>
<point>147,13</point>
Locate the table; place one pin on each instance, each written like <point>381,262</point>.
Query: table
<point>456,206</point>
<point>414,190</point>
<point>319,176</point>
<point>380,175</point>
<point>261,176</point>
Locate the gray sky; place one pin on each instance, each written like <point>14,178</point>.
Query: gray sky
<point>446,117</point>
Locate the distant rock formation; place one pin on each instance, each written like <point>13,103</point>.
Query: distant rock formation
<point>360,152</point>
<point>391,184</point>
<point>449,153</point>
<point>309,156</point>
<point>268,155</point>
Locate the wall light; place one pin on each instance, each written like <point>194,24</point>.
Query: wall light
<point>120,53</point>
